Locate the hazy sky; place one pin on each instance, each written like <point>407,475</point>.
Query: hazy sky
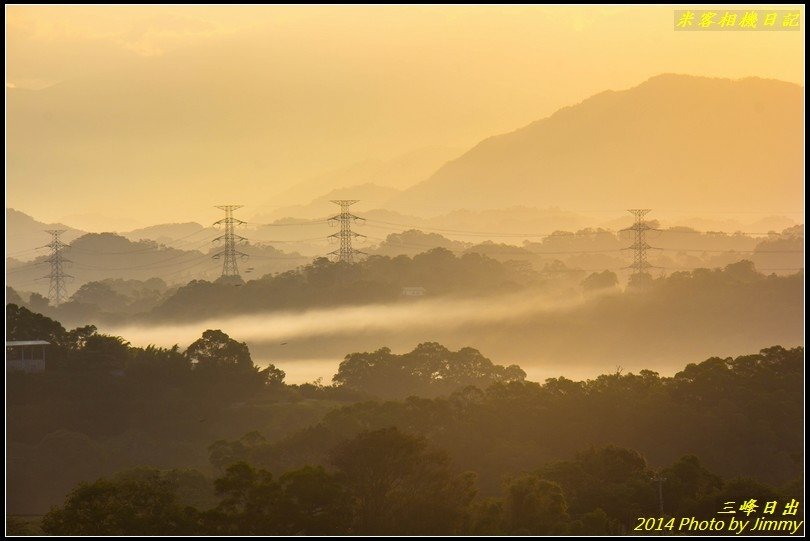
<point>157,113</point>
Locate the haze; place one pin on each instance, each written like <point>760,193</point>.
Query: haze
<point>402,270</point>
<point>139,115</point>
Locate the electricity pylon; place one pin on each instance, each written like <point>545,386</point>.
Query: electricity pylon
<point>345,254</point>
<point>639,246</point>
<point>229,252</point>
<point>57,276</point>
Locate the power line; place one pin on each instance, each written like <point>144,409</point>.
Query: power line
<point>10,254</point>
<point>197,232</point>
<point>281,257</point>
<point>480,248</point>
<point>26,267</point>
<point>159,265</point>
<point>198,263</point>
<point>175,254</point>
<point>310,222</point>
<point>347,252</point>
<point>157,249</point>
<point>731,251</point>
<point>263,242</point>
<point>556,234</point>
<point>479,233</point>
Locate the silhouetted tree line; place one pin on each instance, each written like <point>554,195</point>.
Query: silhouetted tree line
<point>381,279</point>
<point>429,370</point>
<point>387,482</point>
<point>104,406</point>
<point>110,405</point>
<point>320,283</point>
<point>741,415</point>
<point>326,283</point>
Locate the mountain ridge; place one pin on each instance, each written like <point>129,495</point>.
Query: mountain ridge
<point>624,136</point>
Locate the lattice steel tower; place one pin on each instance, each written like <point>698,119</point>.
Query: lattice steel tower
<point>345,254</point>
<point>229,253</point>
<point>639,246</point>
<point>57,276</point>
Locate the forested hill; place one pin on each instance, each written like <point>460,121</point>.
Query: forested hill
<point>102,406</point>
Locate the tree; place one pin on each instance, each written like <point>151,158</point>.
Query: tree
<point>23,324</point>
<point>687,481</point>
<point>104,351</point>
<point>429,370</point>
<point>534,506</point>
<point>486,517</point>
<point>400,487</point>
<point>77,338</point>
<point>38,303</point>
<point>217,355</point>
<point>612,478</point>
<point>18,526</point>
<point>223,453</point>
<point>102,295</point>
<point>157,367</point>
<point>600,280</point>
<point>743,272</point>
<point>249,502</point>
<point>217,349</point>
<point>596,522</point>
<point>308,501</point>
<point>314,502</point>
<point>736,490</point>
<point>145,506</point>
<point>640,281</point>
<point>12,297</point>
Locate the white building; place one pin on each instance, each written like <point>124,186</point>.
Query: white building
<point>413,291</point>
<point>26,355</point>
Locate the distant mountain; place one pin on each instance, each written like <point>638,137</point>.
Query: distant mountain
<point>399,173</point>
<point>371,195</point>
<point>98,256</point>
<point>760,225</point>
<point>96,222</point>
<point>170,234</point>
<point>414,242</point>
<point>673,142</point>
<point>25,234</point>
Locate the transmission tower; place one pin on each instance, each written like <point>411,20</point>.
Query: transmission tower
<point>57,277</point>
<point>229,253</point>
<point>345,254</point>
<point>639,246</point>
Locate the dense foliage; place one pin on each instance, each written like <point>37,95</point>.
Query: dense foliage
<point>475,449</point>
<point>429,370</point>
<point>325,283</point>
<point>385,482</point>
<point>741,415</point>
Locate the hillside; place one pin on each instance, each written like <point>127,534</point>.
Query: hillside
<point>398,173</point>
<point>24,235</point>
<point>166,233</point>
<point>672,142</point>
<point>372,195</point>
<point>97,256</point>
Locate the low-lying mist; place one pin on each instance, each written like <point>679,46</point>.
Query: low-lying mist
<point>548,335</point>
<point>311,327</point>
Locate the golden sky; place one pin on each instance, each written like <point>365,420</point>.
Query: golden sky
<point>155,114</point>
